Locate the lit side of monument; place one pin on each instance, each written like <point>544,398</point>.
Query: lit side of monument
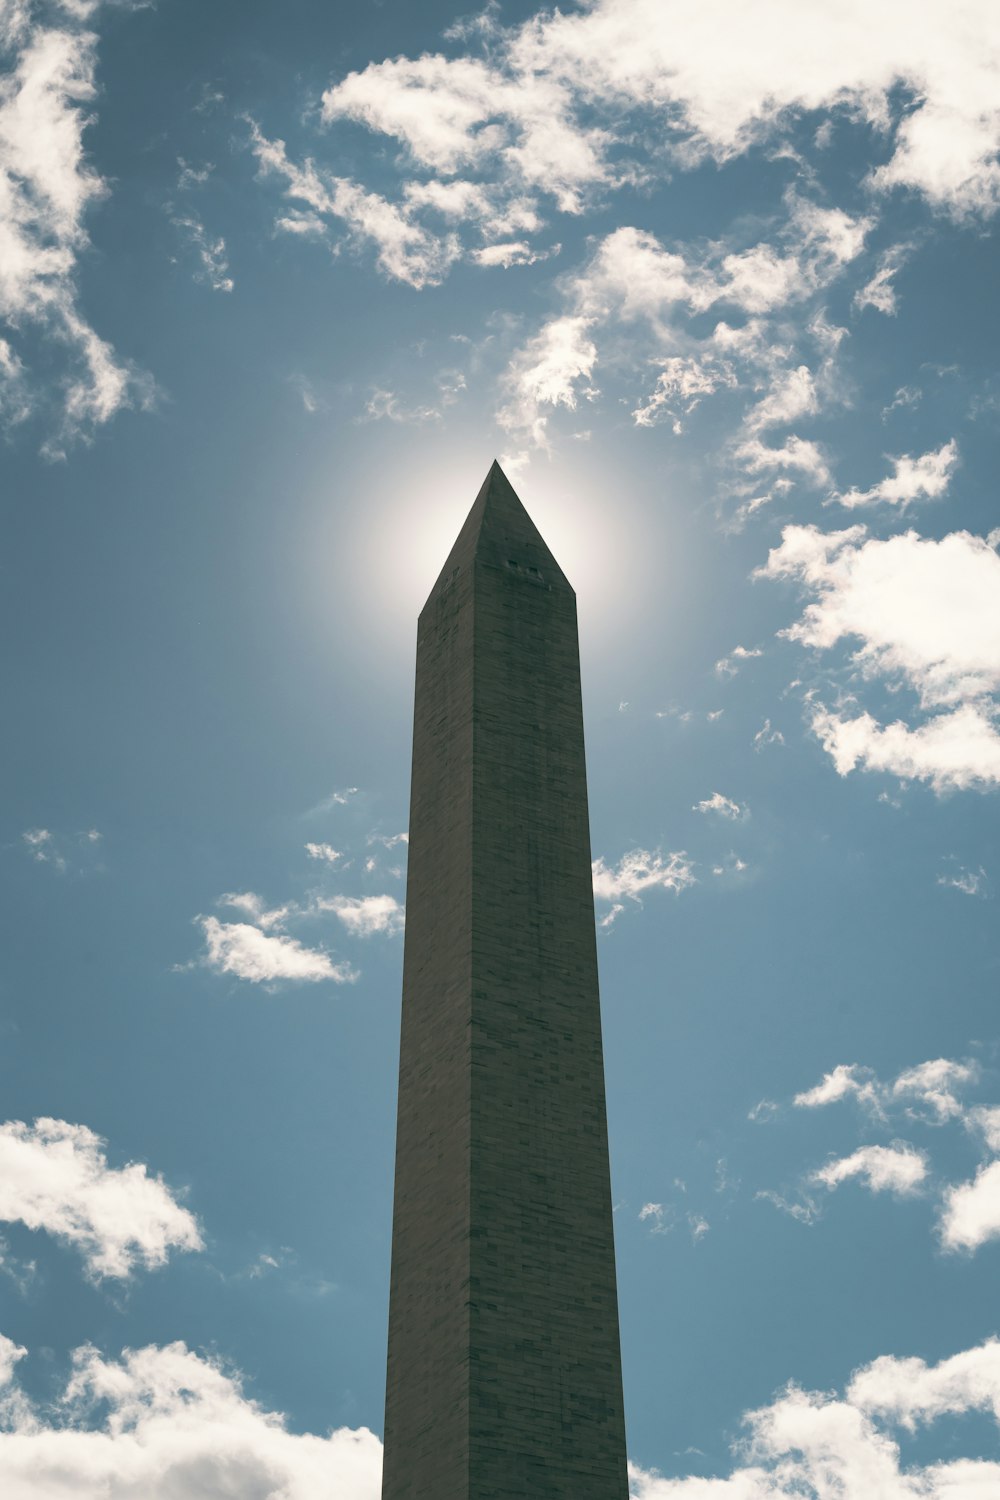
<point>504,1372</point>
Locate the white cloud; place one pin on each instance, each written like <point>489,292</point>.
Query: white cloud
<point>879,292</point>
<point>325,852</point>
<point>803,1209</point>
<point>970,1215</point>
<point>986,1120</point>
<point>213,265</point>
<point>559,111</point>
<point>935,1083</point>
<point>249,953</point>
<point>926,477</point>
<point>15,399</point>
<point>404,249</point>
<point>766,735</point>
<point>633,279</point>
<point>460,113</point>
<point>931,1092</point>
<point>254,906</point>
<point>727,666</point>
<point>10,1353</point>
<point>192,177</point>
<point>953,752</point>
<point>366,915</point>
<point>764,1109</point>
<point>822,1445</point>
<point>898,1169</point>
<point>632,276</point>
<point>682,384</point>
<point>541,108</point>
<point>46,188</point>
<point>927,614</point>
<point>926,611</point>
<point>724,806</point>
<point>905,396</point>
<point>64,852</point>
<point>969,882</point>
<point>511,253</point>
<point>165,1422</point>
<point>41,846</point>
<point>844,1080</point>
<point>638,871</point>
<point>55,1177</point>
<point>455,199</point>
<point>797,455</point>
<point>659,1218</point>
<point>698,1226</point>
<point>970,1211</point>
<point>792,395</point>
<point>909,1391</point>
<point>299,222</point>
<point>455,116</point>
<point>388,405</point>
<point>335,799</point>
<point>551,370</point>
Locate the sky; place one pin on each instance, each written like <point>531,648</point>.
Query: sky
<point>717,284</point>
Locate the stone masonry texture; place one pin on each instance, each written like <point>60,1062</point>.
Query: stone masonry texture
<point>504,1372</point>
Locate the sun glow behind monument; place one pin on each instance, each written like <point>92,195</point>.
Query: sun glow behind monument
<point>420,515</point>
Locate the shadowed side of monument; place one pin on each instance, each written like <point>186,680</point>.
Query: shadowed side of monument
<point>504,1378</point>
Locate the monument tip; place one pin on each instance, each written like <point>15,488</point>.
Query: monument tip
<point>499,531</point>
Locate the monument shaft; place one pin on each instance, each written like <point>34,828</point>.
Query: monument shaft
<point>504,1374</point>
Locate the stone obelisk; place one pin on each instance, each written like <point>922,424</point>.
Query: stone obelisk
<point>504,1371</point>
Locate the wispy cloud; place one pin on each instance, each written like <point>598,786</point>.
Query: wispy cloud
<point>728,666</point>
<point>879,292</point>
<point>552,370</point>
<point>212,264</point>
<point>724,806</point>
<point>969,882</point>
<point>47,186</point>
<point>79,853</point>
<point>326,853</point>
<point>405,251</point>
<point>339,798</point>
<point>767,735</point>
<point>637,872</point>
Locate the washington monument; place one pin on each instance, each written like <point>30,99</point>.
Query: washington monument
<point>504,1371</point>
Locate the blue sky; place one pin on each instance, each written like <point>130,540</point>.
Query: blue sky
<point>717,284</point>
